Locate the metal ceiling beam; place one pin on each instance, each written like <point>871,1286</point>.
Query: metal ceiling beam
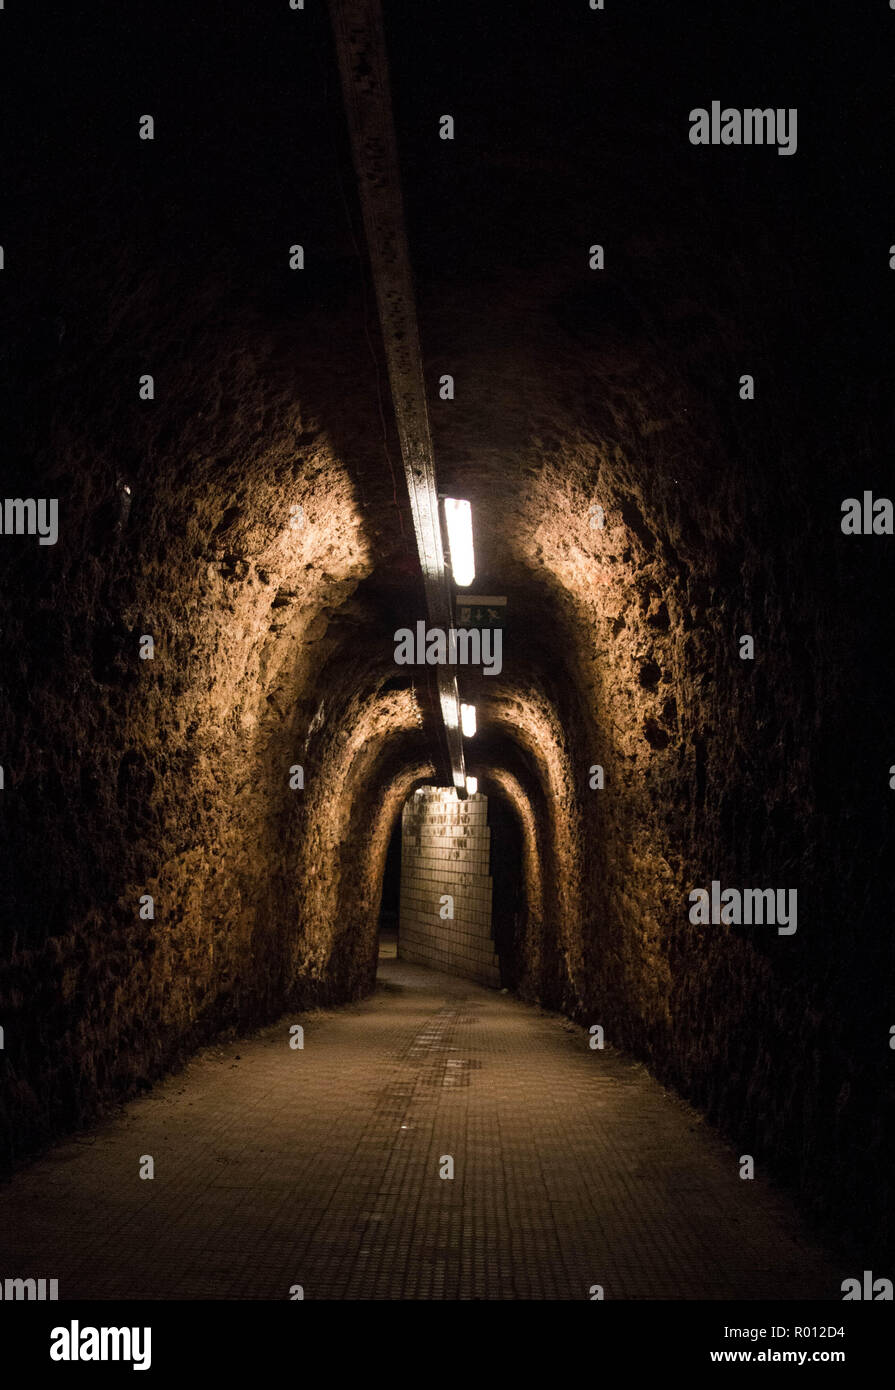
<point>363,66</point>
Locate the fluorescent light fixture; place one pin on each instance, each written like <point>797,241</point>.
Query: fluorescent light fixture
<point>467,720</point>
<point>472,786</point>
<point>458,516</point>
<point>449,708</point>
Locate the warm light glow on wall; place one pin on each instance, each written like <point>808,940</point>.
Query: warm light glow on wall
<point>467,720</point>
<point>458,516</point>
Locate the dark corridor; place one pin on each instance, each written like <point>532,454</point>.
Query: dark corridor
<point>484,407</point>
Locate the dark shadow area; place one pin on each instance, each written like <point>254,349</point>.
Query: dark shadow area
<point>508,907</point>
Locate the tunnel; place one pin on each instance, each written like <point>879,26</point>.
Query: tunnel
<point>603,991</point>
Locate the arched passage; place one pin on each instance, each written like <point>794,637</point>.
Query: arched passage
<point>217,807</point>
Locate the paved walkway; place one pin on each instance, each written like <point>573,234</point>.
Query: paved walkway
<point>320,1167</point>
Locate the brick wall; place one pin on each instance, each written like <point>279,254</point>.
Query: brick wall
<point>445,848</point>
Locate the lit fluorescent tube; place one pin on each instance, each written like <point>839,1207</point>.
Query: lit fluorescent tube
<point>458,516</point>
<point>472,786</point>
<point>467,720</point>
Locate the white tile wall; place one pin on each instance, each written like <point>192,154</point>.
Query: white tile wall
<point>445,848</point>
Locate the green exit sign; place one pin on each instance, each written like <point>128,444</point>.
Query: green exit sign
<point>480,610</point>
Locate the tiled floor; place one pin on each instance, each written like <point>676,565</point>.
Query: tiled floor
<point>320,1167</point>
